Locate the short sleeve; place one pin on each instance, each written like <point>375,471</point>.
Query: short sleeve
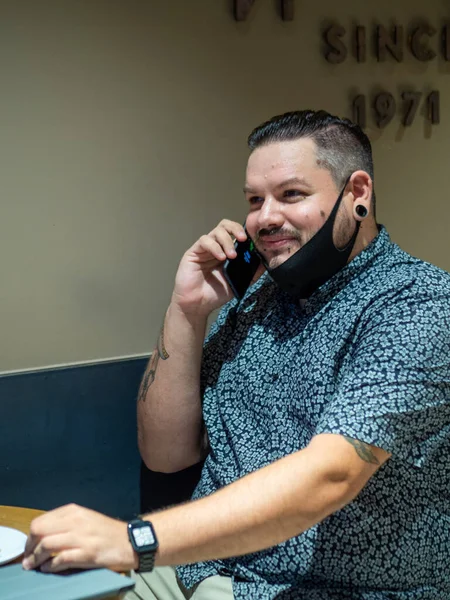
<point>394,391</point>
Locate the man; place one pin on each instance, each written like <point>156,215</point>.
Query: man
<point>320,400</point>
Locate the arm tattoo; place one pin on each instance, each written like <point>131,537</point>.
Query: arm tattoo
<point>159,352</point>
<point>161,348</point>
<point>363,451</point>
<point>149,376</point>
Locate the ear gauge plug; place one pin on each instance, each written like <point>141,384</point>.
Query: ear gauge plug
<point>361,211</point>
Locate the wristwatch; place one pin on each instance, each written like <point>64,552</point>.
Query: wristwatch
<point>144,541</point>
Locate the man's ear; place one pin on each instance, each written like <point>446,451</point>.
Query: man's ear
<point>361,188</point>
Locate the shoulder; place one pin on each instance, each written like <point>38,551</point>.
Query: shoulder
<point>405,306</point>
<point>424,274</point>
<point>399,280</point>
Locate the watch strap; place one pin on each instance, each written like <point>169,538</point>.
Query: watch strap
<point>146,562</point>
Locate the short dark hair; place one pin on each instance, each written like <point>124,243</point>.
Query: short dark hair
<point>342,146</point>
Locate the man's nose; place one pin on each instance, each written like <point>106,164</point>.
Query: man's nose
<point>270,215</point>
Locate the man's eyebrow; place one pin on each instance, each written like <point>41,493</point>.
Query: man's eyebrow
<point>292,181</point>
<point>286,182</point>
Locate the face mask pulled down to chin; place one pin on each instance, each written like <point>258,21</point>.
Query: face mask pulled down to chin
<point>316,262</point>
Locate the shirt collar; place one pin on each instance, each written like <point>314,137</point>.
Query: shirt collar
<point>378,246</point>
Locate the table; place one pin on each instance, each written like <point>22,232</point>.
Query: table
<point>20,518</point>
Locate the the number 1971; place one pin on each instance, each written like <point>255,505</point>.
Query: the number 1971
<point>385,108</point>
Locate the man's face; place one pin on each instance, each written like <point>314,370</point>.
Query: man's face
<point>290,197</point>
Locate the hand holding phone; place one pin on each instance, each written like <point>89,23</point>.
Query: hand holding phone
<point>240,271</point>
<point>202,285</point>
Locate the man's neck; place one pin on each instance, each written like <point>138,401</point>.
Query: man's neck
<point>368,231</point>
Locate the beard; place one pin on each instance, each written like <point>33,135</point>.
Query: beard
<point>343,229</point>
<point>276,256</point>
<point>342,232</point>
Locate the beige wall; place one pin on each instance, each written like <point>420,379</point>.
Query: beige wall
<point>123,128</point>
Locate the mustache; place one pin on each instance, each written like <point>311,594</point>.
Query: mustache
<point>278,232</point>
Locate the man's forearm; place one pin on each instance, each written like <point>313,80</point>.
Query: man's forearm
<point>169,406</point>
<point>258,511</point>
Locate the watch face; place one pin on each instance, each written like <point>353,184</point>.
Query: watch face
<point>143,536</point>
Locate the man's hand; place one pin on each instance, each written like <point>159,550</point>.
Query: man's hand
<point>200,286</point>
<point>75,537</point>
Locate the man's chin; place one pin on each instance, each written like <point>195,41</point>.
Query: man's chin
<point>274,258</point>
<point>276,261</point>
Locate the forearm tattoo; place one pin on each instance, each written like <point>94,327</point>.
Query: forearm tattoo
<point>363,451</point>
<point>159,352</point>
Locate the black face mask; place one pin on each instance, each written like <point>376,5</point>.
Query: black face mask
<point>316,262</point>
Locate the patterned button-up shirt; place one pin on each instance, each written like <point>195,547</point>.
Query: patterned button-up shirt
<point>367,356</point>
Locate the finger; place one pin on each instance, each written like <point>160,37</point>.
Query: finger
<point>45,548</point>
<point>234,229</point>
<point>225,240</point>
<point>55,521</point>
<point>211,246</point>
<point>30,544</point>
<point>73,558</point>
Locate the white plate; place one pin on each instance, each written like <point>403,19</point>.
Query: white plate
<point>12,544</point>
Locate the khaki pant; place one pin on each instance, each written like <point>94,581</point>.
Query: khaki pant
<point>163,584</point>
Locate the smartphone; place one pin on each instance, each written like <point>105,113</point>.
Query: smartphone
<point>239,271</point>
